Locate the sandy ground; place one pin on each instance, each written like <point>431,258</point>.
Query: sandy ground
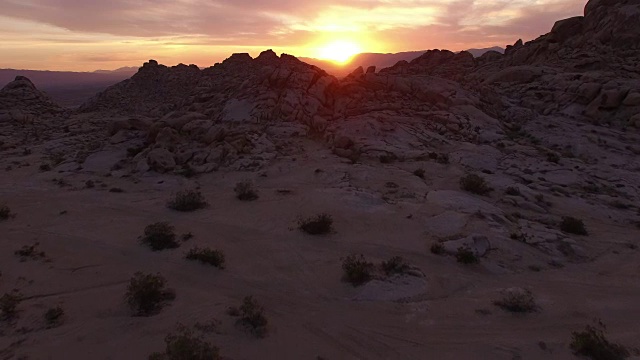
<point>93,252</point>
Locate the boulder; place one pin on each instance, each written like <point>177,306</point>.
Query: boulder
<point>161,160</point>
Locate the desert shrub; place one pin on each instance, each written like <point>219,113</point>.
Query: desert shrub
<point>319,225</point>
<point>245,191</point>
<point>160,236</point>
<point>54,316</point>
<point>442,158</point>
<point>475,184</point>
<point>30,252</point>
<point>466,256</point>
<point>419,173</point>
<point>187,171</point>
<point>90,184</point>
<point>133,151</point>
<point>185,345</point>
<point>513,191</point>
<point>437,248</point>
<point>252,316</point>
<point>520,301</point>
<point>572,225</point>
<point>553,157</point>
<point>395,265</point>
<point>187,200</point>
<point>188,236</point>
<point>593,343</point>
<point>356,270</point>
<point>45,167</point>
<point>207,256</point>
<point>9,304</point>
<point>146,293</point>
<point>5,212</point>
<point>116,190</point>
<point>387,158</point>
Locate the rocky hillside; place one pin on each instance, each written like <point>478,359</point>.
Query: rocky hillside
<point>474,188</point>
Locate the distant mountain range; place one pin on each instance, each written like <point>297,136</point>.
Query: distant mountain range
<point>73,88</point>
<point>69,88</point>
<point>379,60</point>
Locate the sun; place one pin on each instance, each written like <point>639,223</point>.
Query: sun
<point>339,51</point>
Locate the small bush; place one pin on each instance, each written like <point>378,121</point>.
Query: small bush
<point>466,256</point>
<point>387,158</point>
<point>357,270</point>
<point>319,225</point>
<point>45,167</point>
<point>30,252</point>
<point>54,317</point>
<point>513,191</point>
<point>593,343</point>
<point>572,225</point>
<point>187,200</point>
<point>395,265</point>
<point>5,212</point>
<point>475,184</point>
<point>207,256</point>
<point>245,191</point>
<point>443,159</point>
<point>160,236</point>
<point>116,190</point>
<point>146,293</point>
<point>553,157</point>
<point>437,248</point>
<point>252,316</point>
<point>9,304</point>
<point>185,345</point>
<point>520,301</point>
<point>419,173</point>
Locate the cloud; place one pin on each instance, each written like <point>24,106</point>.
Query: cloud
<point>381,25</point>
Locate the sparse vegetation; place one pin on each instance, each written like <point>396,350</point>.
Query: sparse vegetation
<point>245,191</point>
<point>593,343</point>
<point>572,225</point>
<point>553,157</point>
<point>185,345</point>
<point>252,316</point>
<point>513,191</point>
<point>187,171</point>
<point>207,256</point>
<point>160,236</point>
<point>319,225</point>
<point>517,300</point>
<point>466,256</point>
<point>146,293</point>
<point>437,248</point>
<point>187,200</point>
<point>30,252</point>
<point>54,317</point>
<point>387,158</point>
<point>9,304</point>
<point>357,270</point>
<point>475,184</point>
<point>395,265</point>
<point>5,212</point>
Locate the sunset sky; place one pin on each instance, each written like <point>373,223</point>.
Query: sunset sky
<point>85,35</point>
